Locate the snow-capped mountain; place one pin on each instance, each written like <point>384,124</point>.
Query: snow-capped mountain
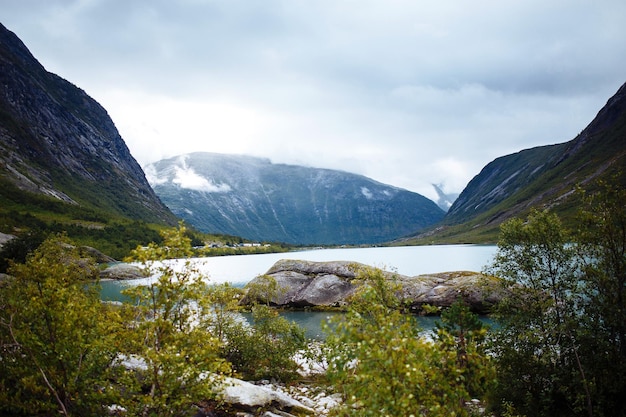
<point>256,199</point>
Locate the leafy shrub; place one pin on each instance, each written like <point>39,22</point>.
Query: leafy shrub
<point>265,347</point>
<point>383,366</point>
<point>56,337</point>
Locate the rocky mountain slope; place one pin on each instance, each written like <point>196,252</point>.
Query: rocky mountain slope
<point>56,141</point>
<point>541,177</point>
<point>258,200</point>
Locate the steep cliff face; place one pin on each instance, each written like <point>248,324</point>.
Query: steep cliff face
<point>546,177</point>
<point>258,200</point>
<point>58,141</point>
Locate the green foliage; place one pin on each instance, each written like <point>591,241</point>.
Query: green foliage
<point>63,351</point>
<point>464,334</point>
<point>24,213</point>
<point>383,366</point>
<point>602,237</point>
<point>171,335</point>
<point>17,249</point>
<point>225,302</point>
<point>559,349</point>
<point>262,290</point>
<point>265,347</point>
<point>55,335</point>
<point>536,344</point>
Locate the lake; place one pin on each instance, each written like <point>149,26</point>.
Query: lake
<point>405,260</point>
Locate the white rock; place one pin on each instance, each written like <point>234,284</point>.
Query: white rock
<point>236,391</point>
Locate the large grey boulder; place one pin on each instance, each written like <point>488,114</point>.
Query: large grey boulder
<point>478,291</point>
<point>331,284</point>
<point>308,284</point>
<point>122,271</point>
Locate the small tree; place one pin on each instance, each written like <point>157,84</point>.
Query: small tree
<point>602,247</point>
<point>172,335</point>
<point>57,338</point>
<point>537,347</point>
<point>225,300</point>
<point>265,346</point>
<point>463,333</point>
<point>264,289</point>
<point>383,366</point>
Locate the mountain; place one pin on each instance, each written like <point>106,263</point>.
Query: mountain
<point>57,144</point>
<point>256,199</point>
<point>444,200</point>
<point>541,177</point>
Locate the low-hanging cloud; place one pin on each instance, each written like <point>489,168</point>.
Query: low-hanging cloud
<point>187,178</point>
<point>407,93</point>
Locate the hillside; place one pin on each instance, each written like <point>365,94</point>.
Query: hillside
<point>258,200</point>
<point>61,158</point>
<point>541,177</point>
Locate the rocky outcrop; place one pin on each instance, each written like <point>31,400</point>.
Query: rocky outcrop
<point>245,396</point>
<point>331,284</point>
<point>4,238</point>
<point>122,272</point>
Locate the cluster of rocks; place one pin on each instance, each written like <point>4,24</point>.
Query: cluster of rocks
<point>123,271</point>
<point>331,284</point>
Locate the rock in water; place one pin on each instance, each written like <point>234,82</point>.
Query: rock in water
<point>330,284</point>
<point>123,271</point>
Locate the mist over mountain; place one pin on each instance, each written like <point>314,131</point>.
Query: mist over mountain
<point>444,200</point>
<point>256,199</point>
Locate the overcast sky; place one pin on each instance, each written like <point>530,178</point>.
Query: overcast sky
<point>408,93</point>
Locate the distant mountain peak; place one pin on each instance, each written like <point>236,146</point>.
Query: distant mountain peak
<point>444,200</point>
<point>258,200</point>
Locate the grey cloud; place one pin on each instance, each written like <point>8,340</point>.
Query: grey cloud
<point>437,88</point>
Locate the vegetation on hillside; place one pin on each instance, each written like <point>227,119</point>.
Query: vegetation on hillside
<point>33,217</point>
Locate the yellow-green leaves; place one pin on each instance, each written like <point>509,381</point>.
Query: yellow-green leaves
<point>55,334</point>
<point>384,366</point>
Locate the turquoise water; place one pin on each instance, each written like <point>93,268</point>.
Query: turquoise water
<point>405,260</point>
<point>312,321</point>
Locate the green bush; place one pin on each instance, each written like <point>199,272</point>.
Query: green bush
<point>57,340</point>
<point>383,366</point>
<point>265,347</point>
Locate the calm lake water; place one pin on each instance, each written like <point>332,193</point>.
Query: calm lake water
<point>405,260</point>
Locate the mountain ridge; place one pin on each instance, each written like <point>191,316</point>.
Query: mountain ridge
<point>544,177</point>
<point>256,199</point>
<point>57,141</point>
